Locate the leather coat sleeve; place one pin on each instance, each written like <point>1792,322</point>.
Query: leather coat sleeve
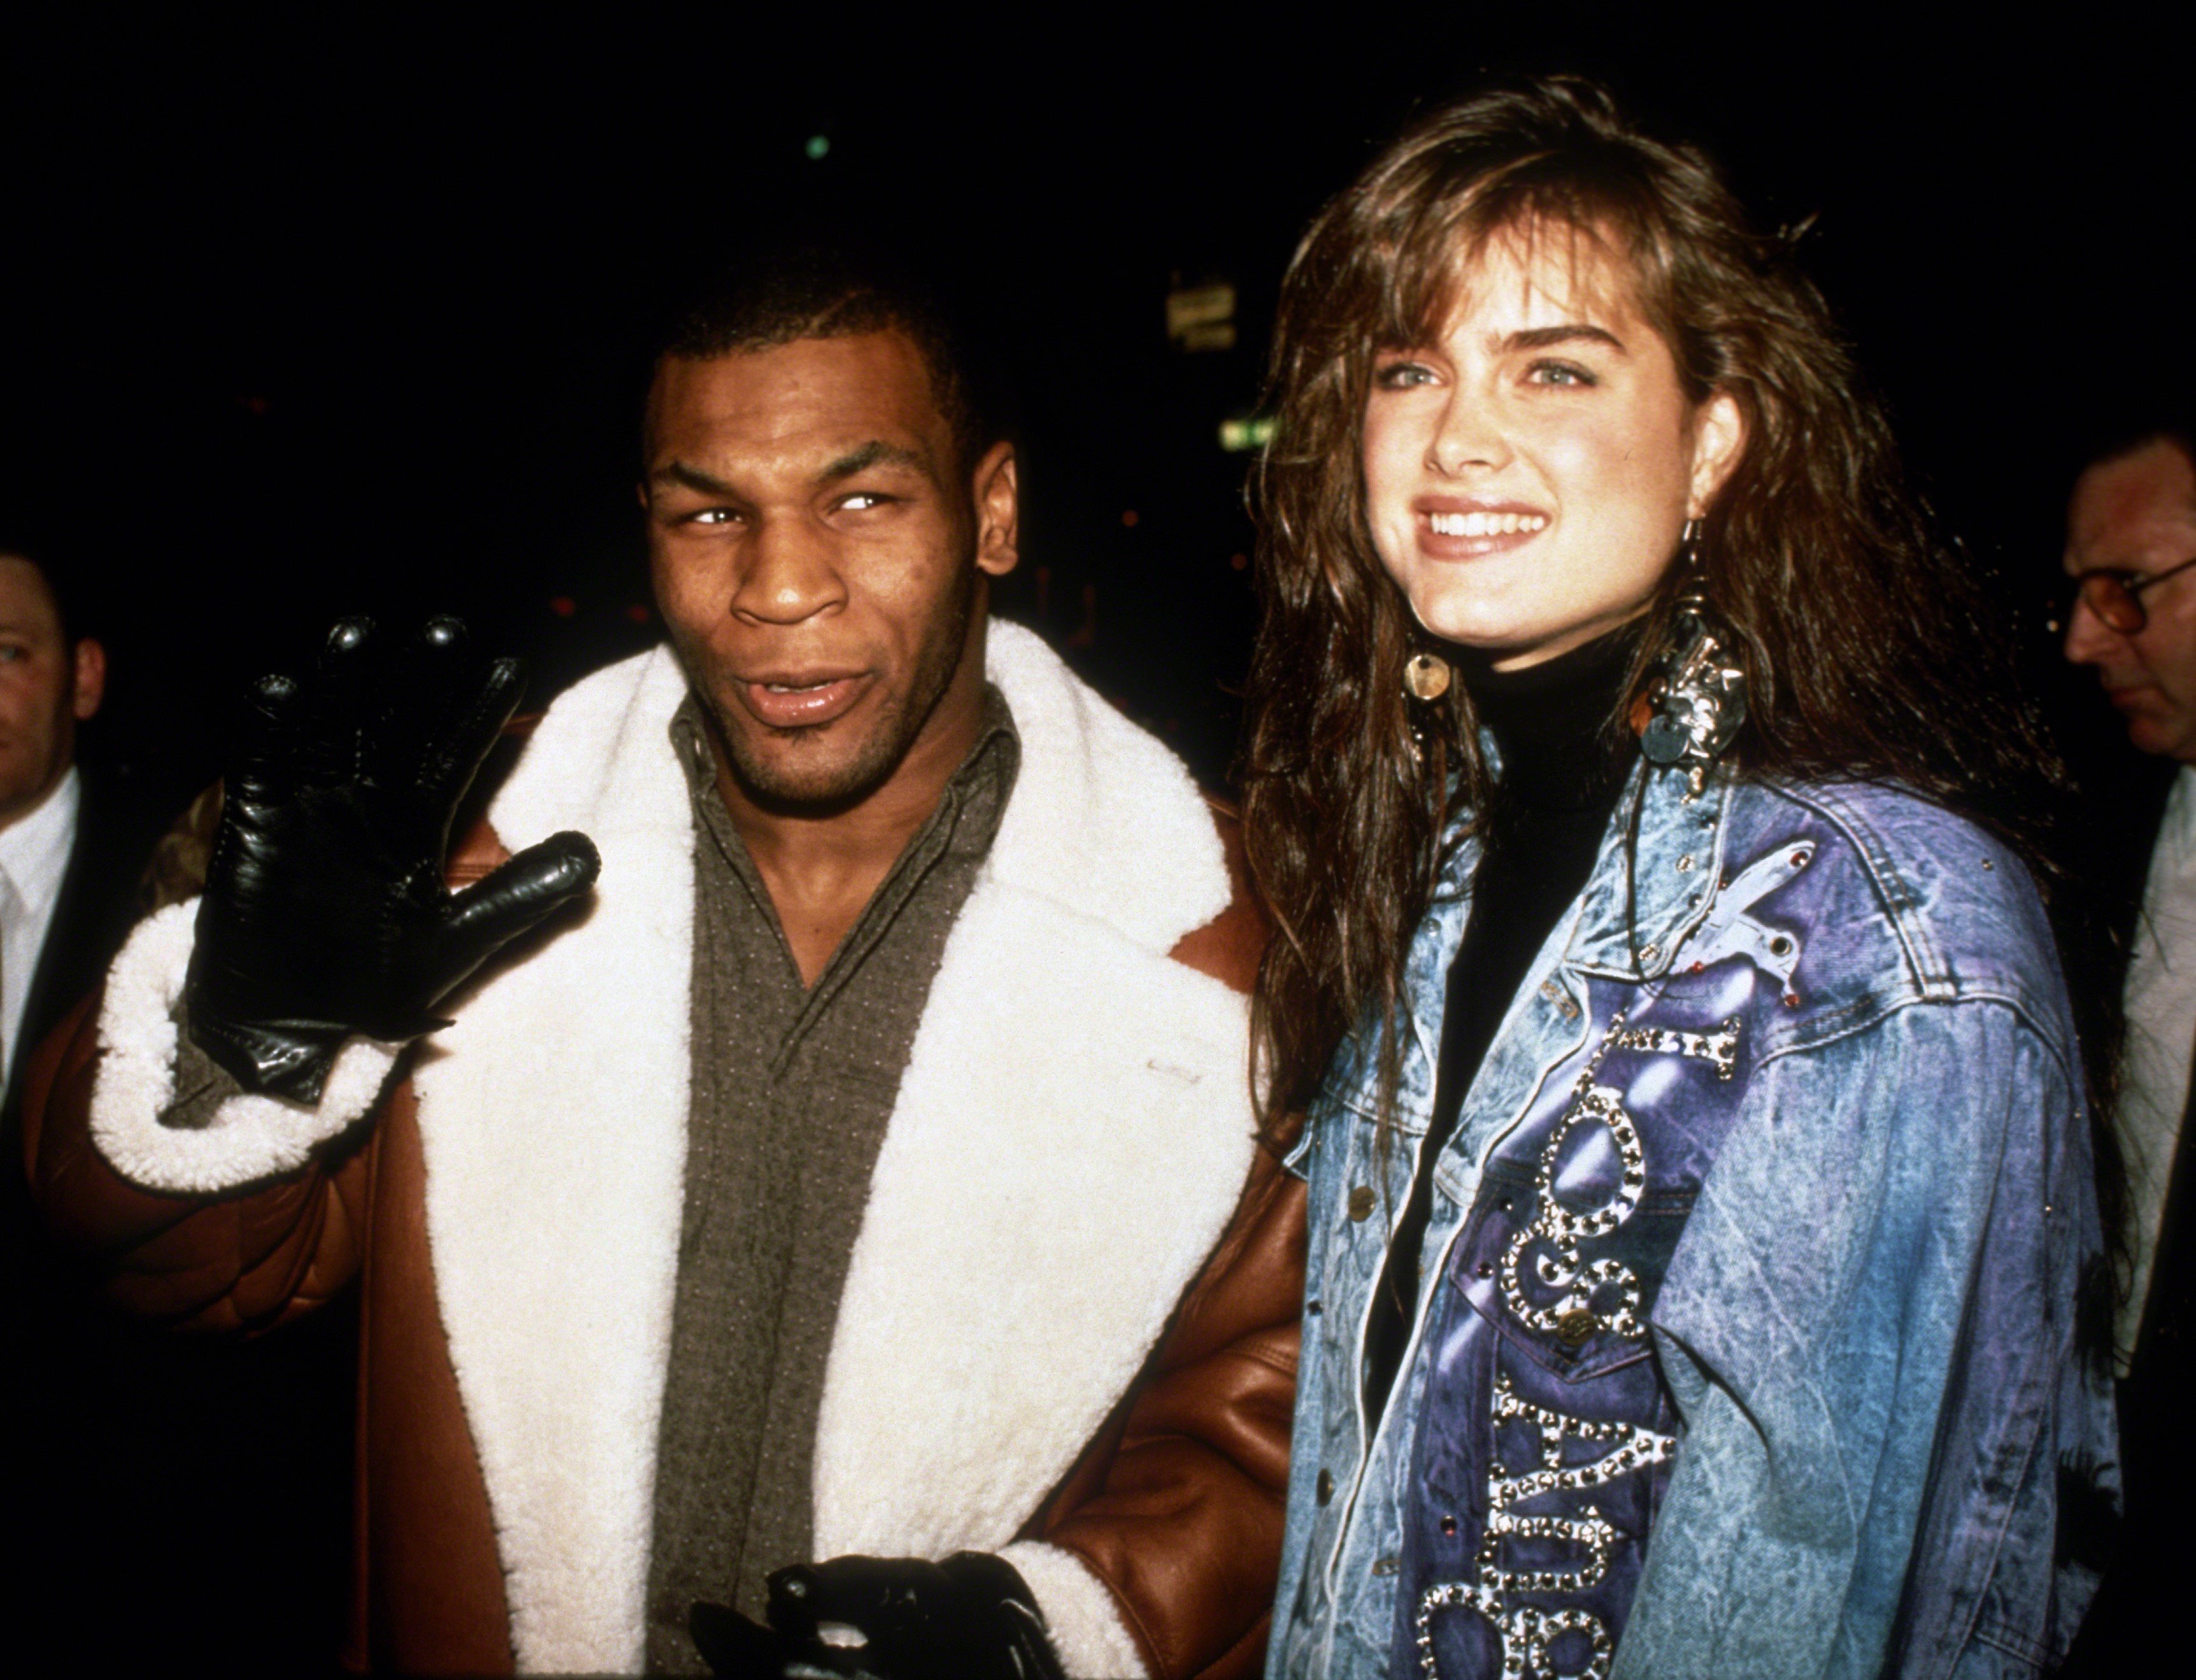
<point>1178,1505</point>
<point>247,1261</point>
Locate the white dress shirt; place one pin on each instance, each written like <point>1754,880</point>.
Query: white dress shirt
<point>34,858</point>
<point>2161,1036</point>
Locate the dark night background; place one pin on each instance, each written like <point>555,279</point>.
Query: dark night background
<point>306,311</point>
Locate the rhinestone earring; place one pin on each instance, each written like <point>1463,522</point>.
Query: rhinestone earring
<point>1696,700</point>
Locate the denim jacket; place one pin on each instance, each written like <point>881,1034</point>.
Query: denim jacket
<point>1761,1224</point>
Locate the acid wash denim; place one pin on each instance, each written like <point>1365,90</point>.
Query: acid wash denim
<point>1762,1223</point>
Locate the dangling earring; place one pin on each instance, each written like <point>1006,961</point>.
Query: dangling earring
<point>1425,676</point>
<point>1425,679</point>
<point>1698,693</point>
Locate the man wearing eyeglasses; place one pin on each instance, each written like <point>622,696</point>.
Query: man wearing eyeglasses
<point>2131,556</point>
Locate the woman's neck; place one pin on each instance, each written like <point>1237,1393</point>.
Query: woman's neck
<point>1555,723</point>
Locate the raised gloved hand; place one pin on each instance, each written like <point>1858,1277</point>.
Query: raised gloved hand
<point>325,912</point>
<point>971,1617</point>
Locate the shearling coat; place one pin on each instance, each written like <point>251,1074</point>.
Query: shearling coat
<point>1068,1327</point>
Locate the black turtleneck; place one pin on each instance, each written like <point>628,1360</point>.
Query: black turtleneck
<point>1564,758</point>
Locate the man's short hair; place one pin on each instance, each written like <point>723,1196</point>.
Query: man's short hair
<point>2125,437</point>
<point>775,295</point>
<point>71,603</point>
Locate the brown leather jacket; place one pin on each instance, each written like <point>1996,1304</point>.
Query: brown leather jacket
<point>1176,1505</point>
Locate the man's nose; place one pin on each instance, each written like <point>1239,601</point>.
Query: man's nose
<point>2090,639</point>
<point>1469,434</point>
<point>787,575</point>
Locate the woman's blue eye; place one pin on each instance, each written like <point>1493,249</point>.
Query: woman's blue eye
<point>1397,375</point>
<point>1560,373</point>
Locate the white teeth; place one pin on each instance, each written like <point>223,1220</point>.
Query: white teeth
<point>1478,524</point>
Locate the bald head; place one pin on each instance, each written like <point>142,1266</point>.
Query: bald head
<point>49,683</point>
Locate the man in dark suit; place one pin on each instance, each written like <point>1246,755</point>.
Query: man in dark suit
<point>69,855</point>
<point>50,680</point>
<point>2131,558</point>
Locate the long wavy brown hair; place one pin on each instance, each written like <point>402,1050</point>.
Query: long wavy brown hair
<point>1870,649</point>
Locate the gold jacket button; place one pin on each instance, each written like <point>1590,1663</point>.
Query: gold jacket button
<point>1360,1201</point>
<point>1574,1326</point>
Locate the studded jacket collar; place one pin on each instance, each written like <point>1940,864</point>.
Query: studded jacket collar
<point>1759,1232</point>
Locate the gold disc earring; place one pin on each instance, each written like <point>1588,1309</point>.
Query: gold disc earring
<point>1425,676</point>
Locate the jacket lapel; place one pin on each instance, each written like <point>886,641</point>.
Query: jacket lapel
<point>553,1118</point>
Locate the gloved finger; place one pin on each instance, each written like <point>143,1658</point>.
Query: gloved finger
<point>426,680</point>
<point>267,739</point>
<point>492,912</point>
<point>864,1592</point>
<point>466,732</point>
<point>1017,1644</point>
<point>334,709</point>
<point>1028,1648</point>
<point>735,1647</point>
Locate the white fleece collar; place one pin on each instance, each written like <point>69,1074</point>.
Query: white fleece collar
<point>1105,822</point>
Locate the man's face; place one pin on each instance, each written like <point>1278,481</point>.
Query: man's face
<point>819,557</point>
<point>45,688</point>
<point>2137,514</point>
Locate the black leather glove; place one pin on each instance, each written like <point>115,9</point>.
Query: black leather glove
<point>325,912</point>
<point>970,1617</point>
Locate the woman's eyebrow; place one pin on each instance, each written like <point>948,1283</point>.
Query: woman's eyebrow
<point>1542,337</point>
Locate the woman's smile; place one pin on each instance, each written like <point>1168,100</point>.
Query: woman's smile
<point>1452,529</point>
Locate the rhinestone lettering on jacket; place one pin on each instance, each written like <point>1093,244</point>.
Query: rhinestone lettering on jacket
<point>1720,1049</point>
<point>1572,1316</point>
<point>1527,1633</point>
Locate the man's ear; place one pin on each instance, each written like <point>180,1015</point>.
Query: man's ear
<point>90,678</point>
<point>998,510</point>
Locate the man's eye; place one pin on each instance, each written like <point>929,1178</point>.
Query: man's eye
<point>861,501</point>
<point>709,515</point>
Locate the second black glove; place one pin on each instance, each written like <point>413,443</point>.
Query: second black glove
<point>970,1617</point>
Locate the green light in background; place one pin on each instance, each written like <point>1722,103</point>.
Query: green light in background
<point>1254,432</point>
<point>817,145</point>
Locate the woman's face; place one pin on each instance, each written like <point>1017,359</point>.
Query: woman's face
<point>1528,474</point>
